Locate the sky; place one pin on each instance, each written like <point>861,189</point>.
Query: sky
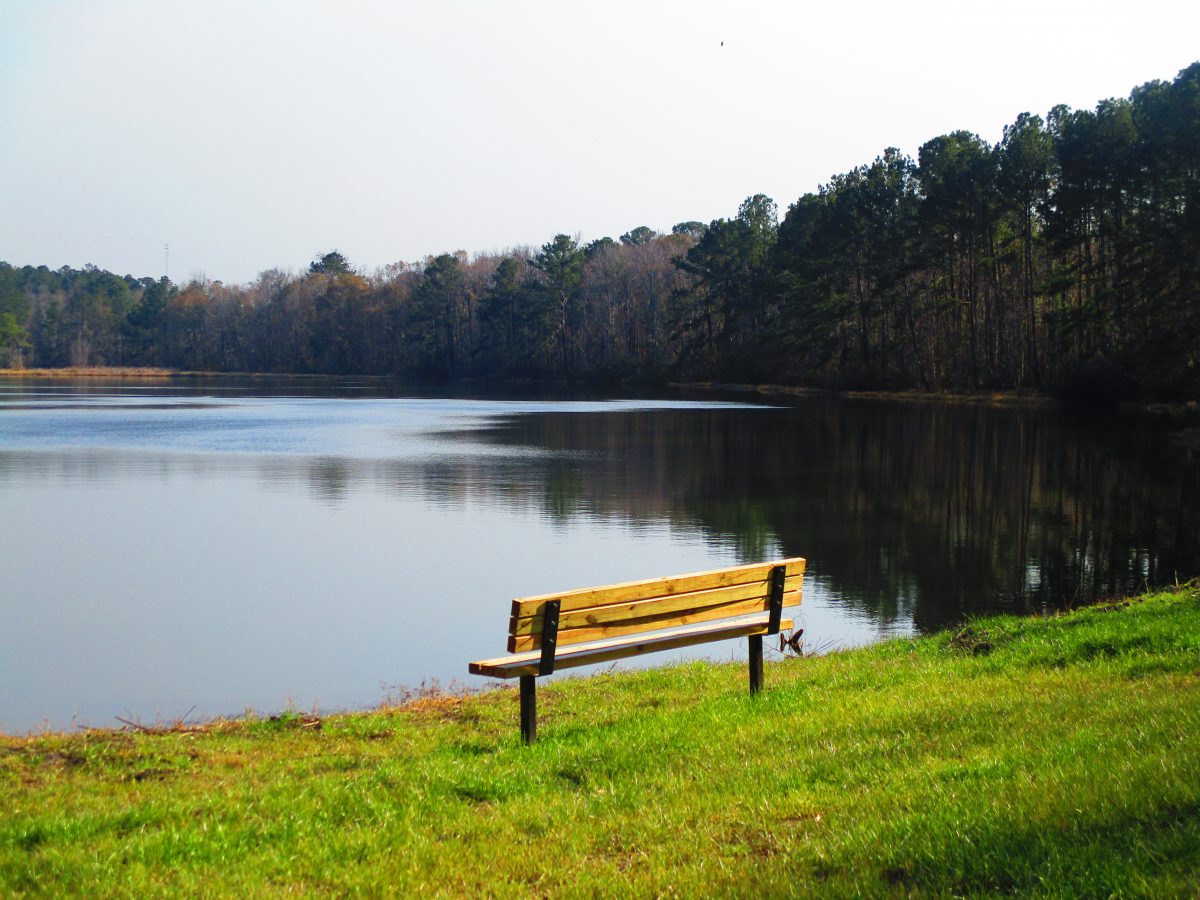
<point>258,134</point>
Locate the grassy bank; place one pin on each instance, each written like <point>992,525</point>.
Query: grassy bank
<point>1057,756</point>
<point>93,372</point>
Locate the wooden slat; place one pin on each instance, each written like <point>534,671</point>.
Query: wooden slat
<point>655,587</point>
<point>678,603</point>
<point>604,651</point>
<point>656,622</point>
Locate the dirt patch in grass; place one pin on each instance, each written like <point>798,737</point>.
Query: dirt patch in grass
<point>969,640</point>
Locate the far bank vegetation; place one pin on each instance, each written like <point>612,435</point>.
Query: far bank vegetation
<point>1064,258</point>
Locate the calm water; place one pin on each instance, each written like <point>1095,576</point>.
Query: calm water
<point>206,547</point>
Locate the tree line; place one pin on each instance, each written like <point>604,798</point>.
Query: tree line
<point>1065,257</point>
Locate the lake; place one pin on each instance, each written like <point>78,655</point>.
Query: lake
<point>204,547</point>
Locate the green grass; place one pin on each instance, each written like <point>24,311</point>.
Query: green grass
<point>1056,756</point>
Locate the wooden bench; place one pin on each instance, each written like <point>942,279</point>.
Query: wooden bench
<point>593,625</point>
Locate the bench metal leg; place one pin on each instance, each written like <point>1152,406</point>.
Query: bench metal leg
<point>756,663</point>
<point>529,708</point>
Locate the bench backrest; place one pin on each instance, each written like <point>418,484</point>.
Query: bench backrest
<point>652,605</point>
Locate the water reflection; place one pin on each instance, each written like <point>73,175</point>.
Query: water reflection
<point>911,512</point>
<point>928,512</point>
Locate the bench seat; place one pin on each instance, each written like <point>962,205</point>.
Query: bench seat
<point>621,648</point>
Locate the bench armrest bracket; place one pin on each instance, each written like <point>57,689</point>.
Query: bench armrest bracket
<point>774,599</point>
<point>550,635</point>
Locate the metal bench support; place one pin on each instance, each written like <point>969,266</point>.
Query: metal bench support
<point>756,663</point>
<point>549,636</point>
<point>529,708</point>
<point>775,614</point>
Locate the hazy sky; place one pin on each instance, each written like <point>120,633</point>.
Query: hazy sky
<point>252,135</point>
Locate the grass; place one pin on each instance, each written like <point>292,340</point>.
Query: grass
<point>1056,756</point>
<point>91,372</point>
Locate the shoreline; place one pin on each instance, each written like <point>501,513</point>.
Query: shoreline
<point>1186,410</point>
<point>117,372</point>
<point>988,398</point>
<point>434,698</point>
<point>424,700</point>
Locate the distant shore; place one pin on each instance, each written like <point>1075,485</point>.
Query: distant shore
<point>92,372</point>
<point>1187,410</point>
<point>155,372</point>
<point>1007,398</point>
<point>988,397</point>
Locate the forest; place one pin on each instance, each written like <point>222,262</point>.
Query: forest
<point>1064,259</point>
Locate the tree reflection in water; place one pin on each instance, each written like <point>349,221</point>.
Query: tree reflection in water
<point>928,511</point>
